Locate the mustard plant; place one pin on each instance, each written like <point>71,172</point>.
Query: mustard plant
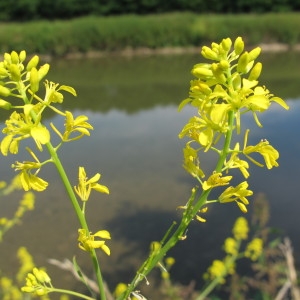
<point>218,271</point>
<point>19,91</point>
<point>225,88</point>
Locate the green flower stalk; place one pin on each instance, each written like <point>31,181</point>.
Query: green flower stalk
<point>225,88</point>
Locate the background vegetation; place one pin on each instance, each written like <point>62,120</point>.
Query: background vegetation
<point>12,10</point>
<point>115,33</point>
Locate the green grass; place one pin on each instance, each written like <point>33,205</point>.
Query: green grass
<point>152,31</point>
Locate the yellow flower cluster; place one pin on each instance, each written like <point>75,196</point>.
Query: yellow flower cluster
<point>254,249</point>
<point>223,90</point>
<point>240,229</point>
<point>37,282</point>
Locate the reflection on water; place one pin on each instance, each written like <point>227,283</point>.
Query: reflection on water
<point>135,148</point>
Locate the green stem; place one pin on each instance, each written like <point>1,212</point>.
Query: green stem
<point>216,281</point>
<point>79,295</point>
<point>151,261</point>
<point>79,214</point>
<point>22,90</point>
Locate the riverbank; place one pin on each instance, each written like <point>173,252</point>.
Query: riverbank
<point>272,48</point>
<point>150,34</point>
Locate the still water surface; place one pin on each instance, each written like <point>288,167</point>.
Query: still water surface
<point>132,104</point>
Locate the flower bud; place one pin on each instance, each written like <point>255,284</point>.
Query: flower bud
<point>22,55</point>
<point>41,292</point>
<point>208,53</point>
<point>32,63</point>
<point>15,73</point>
<point>34,80</point>
<point>218,73</point>
<point>14,57</point>
<point>7,58</point>
<point>43,70</point>
<point>28,289</point>
<point>4,91</point>
<point>236,82</point>
<point>239,45</point>
<point>255,72</point>
<point>224,64</point>
<point>253,54</point>
<point>45,276</point>
<point>5,105</point>
<point>243,62</point>
<point>226,44</point>
<point>202,70</point>
<point>3,72</point>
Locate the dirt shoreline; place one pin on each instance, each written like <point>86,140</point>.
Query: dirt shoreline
<point>131,52</point>
<point>274,47</point>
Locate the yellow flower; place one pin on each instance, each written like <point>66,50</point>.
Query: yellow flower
<point>38,282</point>
<point>78,125</point>
<point>216,270</point>
<point>240,229</point>
<point>170,261</point>
<point>26,261</point>
<point>85,185</point>
<point>53,94</point>
<point>230,246</point>
<point>21,126</point>
<point>254,249</point>
<point>214,180</point>
<point>191,161</point>
<point>27,179</point>
<point>120,289</point>
<point>203,129</point>
<point>237,194</point>
<point>87,241</point>
<point>236,162</point>
<point>269,153</point>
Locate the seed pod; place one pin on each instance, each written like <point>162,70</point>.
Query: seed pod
<point>32,63</point>
<point>239,46</point>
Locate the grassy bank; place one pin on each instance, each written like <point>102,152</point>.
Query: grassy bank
<point>154,31</point>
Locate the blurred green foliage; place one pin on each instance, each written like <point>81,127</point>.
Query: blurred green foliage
<point>115,33</point>
<point>24,10</point>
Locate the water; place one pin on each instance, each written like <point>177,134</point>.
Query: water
<point>132,104</point>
